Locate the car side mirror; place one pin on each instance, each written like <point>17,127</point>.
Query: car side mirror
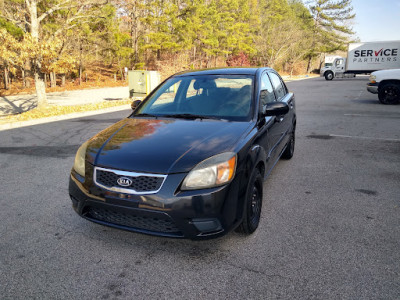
<point>275,109</point>
<point>135,104</point>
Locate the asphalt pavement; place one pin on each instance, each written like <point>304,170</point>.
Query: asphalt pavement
<point>330,226</point>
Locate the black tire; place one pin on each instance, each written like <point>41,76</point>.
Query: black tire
<point>289,151</point>
<point>389,93</point>
<point>329,75</point>
<point>253,204</point>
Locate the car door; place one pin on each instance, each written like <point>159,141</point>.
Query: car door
<point>283,123</point>
<point>268,131</point>
<point>338,67</point>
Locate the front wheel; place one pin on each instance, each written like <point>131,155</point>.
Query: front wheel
<point>389,93</point>
<point>253,204</point>
<point>329,75</point>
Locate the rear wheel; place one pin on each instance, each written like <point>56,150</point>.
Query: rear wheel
<point>289,151</point>
<point>329,75</point>
<point>253,204</point>
<point>389,93</point>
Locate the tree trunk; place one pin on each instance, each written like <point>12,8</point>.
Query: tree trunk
<point>36,65</point>
<point>321,60</point>
<point>6,82</point>
<point>53,79</point>
<point>40,88</point>
<point>194,54</point>
<point>63,80</point>
<point>80,62</point>
<point>135,28</point>
<point>80,74</point>
<point>309,65</point>
<point>23,78</point>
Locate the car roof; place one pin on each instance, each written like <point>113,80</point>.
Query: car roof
<point>222,71</point>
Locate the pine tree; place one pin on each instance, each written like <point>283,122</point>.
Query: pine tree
<point>330,29</point>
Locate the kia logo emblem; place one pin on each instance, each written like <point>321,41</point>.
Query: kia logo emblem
<point>124,181</point>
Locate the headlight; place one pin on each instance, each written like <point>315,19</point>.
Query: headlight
<point>214,171</point>
<point>372,79</point>
<point>79,164</point>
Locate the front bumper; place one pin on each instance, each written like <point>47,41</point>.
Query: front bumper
<point>372,88</point>
<point>181,214</point>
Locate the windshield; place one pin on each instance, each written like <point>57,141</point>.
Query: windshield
<point>226,97</point>
<point>328,64</point>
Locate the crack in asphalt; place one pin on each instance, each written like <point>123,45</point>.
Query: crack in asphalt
<point>248,269</point>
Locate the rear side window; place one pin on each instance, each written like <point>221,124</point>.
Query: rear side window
<point>279,87</point>
<point>267,92</point>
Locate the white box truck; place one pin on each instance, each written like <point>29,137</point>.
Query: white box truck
<point>364,58</point>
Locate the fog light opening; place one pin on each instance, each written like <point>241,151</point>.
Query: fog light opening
<point>206,226</point>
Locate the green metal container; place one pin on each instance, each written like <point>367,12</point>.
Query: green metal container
<point>141,83</point>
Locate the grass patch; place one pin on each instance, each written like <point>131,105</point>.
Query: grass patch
<point>58,110</point>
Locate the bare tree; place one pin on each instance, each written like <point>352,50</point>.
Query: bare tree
<point>30,15</point>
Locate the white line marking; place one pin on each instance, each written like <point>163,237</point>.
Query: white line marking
<point>373,116</point>
<point>363,138</point>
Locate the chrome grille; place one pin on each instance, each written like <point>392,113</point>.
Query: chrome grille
<point>141,183</point>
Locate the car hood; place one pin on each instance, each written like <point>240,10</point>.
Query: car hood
<point>162,145</point>
<point>386,74</point>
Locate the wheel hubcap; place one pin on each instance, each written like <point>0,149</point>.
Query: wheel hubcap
<point>391,94</point>
<point>255,205</point>
<point>292,144</point>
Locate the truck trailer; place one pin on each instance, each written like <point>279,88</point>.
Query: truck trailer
<point>364,58</point>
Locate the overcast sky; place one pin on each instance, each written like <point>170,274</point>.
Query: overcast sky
<point>377,20</point>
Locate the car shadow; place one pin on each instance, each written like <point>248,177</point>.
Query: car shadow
<point>367,101</point>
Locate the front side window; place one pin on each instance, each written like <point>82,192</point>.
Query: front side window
<point>219,96</point>
<point>267,92</point>
<point>339,62</point>
<point>279,87</point>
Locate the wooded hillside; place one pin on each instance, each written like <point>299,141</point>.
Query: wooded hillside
<point>60,38</point>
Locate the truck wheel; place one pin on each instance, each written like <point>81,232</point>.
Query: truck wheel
<point>389,93</point>
<point>253,204</point>
<point>329,75</point>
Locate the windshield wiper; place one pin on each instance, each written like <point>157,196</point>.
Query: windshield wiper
<point>192,117</point>
<point>146,115</point>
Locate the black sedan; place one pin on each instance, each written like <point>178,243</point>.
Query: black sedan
<point>191,158</point>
